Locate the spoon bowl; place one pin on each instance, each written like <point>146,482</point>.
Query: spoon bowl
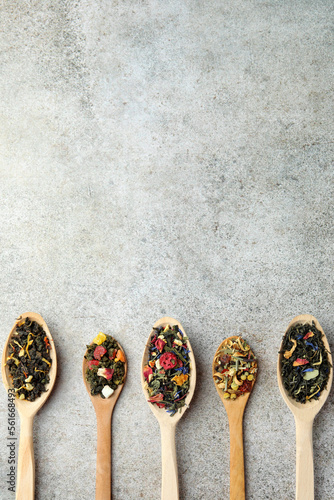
<point>311,408</point>
<point>235,410</point>
<point>304,415</point>
<point>103,409</point>
<point>25,486</point>
<point>98,402</point>
<point>170,487</point>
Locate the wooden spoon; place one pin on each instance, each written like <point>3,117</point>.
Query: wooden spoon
<point>104,409</point>
<point>25,484</point>
<point>304,416</point>
<point>235,411</point>
<point>170,483</point>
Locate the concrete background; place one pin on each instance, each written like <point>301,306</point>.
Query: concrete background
<point>167,158</point>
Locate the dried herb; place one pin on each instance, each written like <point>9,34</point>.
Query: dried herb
<point>305,366</point>
<point>235,368</point>
<point>168,368</point>
<point>106,365</point>
<point>29,360</point>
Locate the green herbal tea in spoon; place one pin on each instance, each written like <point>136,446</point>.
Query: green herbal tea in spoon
<point>234,372</point>
<point>29,367</point>
<point>168,379</point>
<point>304,373</point>
<point>104,372</point>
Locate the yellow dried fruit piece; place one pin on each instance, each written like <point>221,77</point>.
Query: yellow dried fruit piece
<point>233,396</point>
<point>226,395</point>
<point>100,338</point>
<point>243,377</point>
<point>250,377</point>
<point>29,342</point>
<point>29,387</point>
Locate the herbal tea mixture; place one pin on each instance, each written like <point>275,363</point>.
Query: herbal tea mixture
<point>305,366</point>
<point>29,360</point>
<point>168,369</point>
<point>106,365</point>
<point>235,368</point>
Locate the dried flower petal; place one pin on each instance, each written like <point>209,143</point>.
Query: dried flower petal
<point>300,362</point>
<point>147,371</point>
<point>156,398</point>
<point>160,344</point>
<point>180,379</point>
<point>288,354</point>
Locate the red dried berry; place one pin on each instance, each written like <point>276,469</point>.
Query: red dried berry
<point>168,360</point>
<point>92,363</point>
<point>99,352</point>
<point>246,386</point>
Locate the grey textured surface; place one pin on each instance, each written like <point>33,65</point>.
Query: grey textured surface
<point>167,158</point>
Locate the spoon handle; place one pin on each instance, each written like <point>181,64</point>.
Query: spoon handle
<point>304,460</point>
<point>103,457</point>
<point>237,470</point>
<point>25,486</point>
<point>170,480</point>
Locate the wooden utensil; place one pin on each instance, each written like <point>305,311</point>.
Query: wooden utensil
<point>170,484</point>
<point>25,484</point>
<point>304,416</point>
<point>235,411</point>
<point>104,409</point>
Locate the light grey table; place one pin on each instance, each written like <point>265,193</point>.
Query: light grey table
<point>167,157</point>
